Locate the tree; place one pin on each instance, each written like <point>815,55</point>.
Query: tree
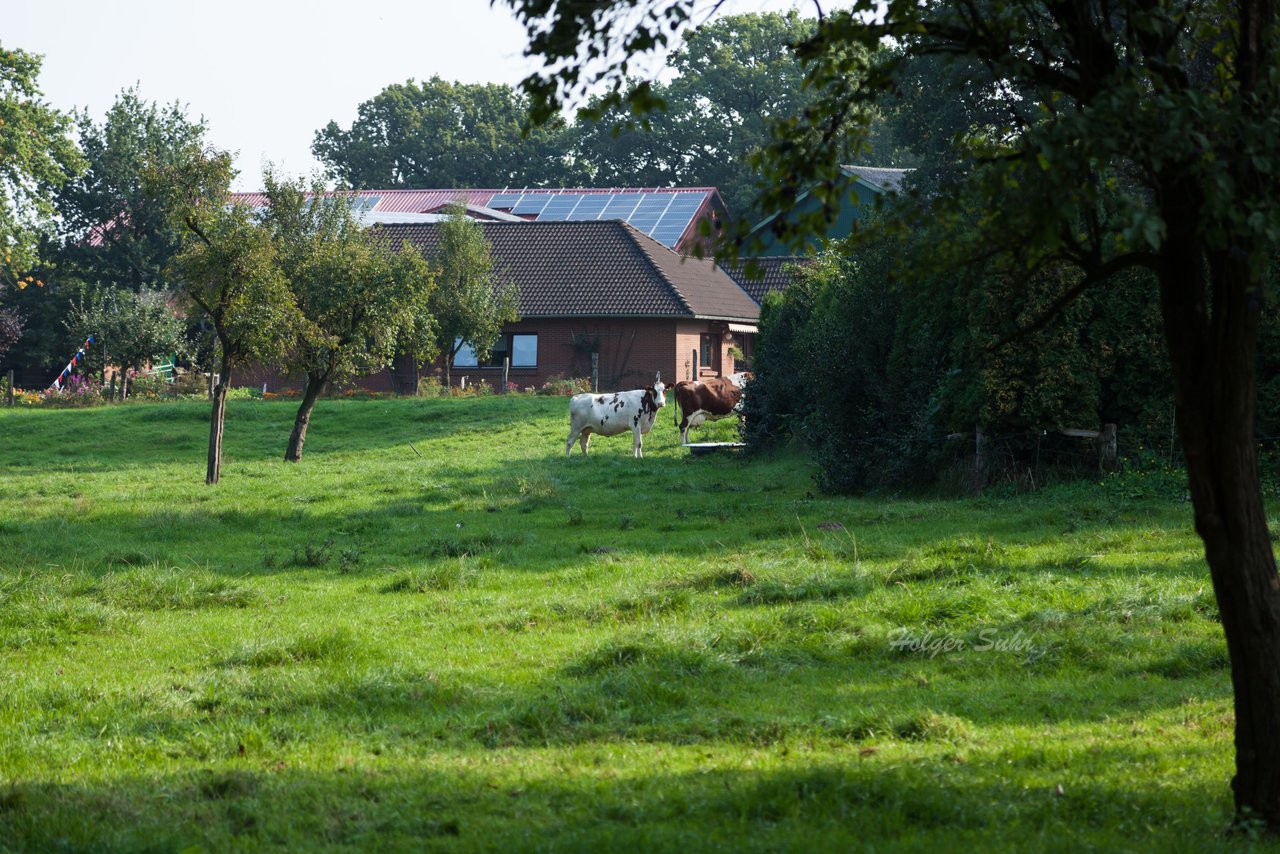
<point>10,329</point>
<point>37,156</point>
<point>110,232</point>
<point>129,328</point>
<point>228,268</point>
<point>442,134</point>
<point>473,300</point>
<point>357,297</point>
<point>733,77</point>
<point>1132,135</point>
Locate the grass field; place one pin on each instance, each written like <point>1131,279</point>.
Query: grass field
<point>488,646</point>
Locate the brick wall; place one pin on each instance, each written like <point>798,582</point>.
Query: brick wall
<point>689,339</point>
<point>631,351</point>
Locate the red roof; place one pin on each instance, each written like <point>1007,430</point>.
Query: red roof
<point>680,231</point>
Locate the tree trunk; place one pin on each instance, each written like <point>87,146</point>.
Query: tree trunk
<point>1210,313</point>
<point>315,385</point>
<point>414,379</point>
<point>216,419</point>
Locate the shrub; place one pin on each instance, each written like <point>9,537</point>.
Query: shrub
<point>561,386</point>
<point>77,391</point>
<point>149,387</point>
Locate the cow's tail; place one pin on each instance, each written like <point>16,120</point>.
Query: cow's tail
<point>675,409</point>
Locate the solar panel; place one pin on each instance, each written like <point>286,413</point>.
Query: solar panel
<point>621,206</point>
<point>664,215</point>
<point>652,203</point>
<point>591,206</point>
<point>532,203</point>
<point>559,208</point>
<point>504,200</point>
<point>667,235</point>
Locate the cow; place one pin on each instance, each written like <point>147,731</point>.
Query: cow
<point>616,412</point>
<point>708,400</point>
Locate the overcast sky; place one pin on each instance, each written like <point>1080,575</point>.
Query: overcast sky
<point>268,74</point>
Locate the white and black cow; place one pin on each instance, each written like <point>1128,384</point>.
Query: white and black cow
<point>708,400</point>
<point>616,412</point>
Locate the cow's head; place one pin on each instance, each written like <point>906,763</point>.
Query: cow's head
<point>657,392</point>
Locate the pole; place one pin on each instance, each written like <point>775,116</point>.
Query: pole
<point>695,364</point>
<point>506,368</point>
<point>1108,447</point>
<point>595,373</point>
<point>979,458</point>
<point>9,393</point>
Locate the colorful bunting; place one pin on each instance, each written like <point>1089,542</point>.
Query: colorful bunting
<point>75,360</point>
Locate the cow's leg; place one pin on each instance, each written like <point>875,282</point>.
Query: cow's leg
<point>568,446</point>
<point>684,430</point>
<point>586,441</point>
<point>637,449</point>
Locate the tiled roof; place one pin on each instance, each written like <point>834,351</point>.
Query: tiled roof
<point>775,273</point>
<point>599,269</point>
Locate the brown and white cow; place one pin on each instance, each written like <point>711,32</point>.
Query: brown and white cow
<point>616,412</point>
<point>708,400</point>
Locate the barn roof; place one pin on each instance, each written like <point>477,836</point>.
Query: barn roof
<point>669,215</point>
<point>599,269</point>
<point>775,273</point>
<point>880,178</point>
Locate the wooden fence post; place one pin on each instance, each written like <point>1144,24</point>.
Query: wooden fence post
<point>595,373</point>
<point>114,374</point>
<point>1107,448</point>
<point>979,458</point>
<point>9,393</point>
<point>695,365</point>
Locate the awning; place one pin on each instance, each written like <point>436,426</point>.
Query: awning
<point>743,327</point>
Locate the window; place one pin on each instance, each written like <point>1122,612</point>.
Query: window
<point>466,357</point>
<point>524,351</point>
<point>709,352</point>
<point>498,353</point>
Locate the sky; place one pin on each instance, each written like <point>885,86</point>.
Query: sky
<point>267,75</point>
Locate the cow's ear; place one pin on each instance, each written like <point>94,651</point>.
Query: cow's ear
<point>657,378</point>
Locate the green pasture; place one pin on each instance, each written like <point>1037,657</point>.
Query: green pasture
<point>473,643</point>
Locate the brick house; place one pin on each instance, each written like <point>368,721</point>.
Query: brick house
<point>602,287</point>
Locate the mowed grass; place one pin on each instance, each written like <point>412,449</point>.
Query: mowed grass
<point>474,643</point>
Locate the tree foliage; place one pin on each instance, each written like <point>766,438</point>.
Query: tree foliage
<point>917,366</point>
<point>110,232</point>
<point>37,156</point>
<point>442,134</point>
<point>129,328</point>
<point>473,299</point>
<point>229,270</point>
<point>731,79</point>
<point>10,329</point>
<point>359,299</point>
<point>1132,135</point>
